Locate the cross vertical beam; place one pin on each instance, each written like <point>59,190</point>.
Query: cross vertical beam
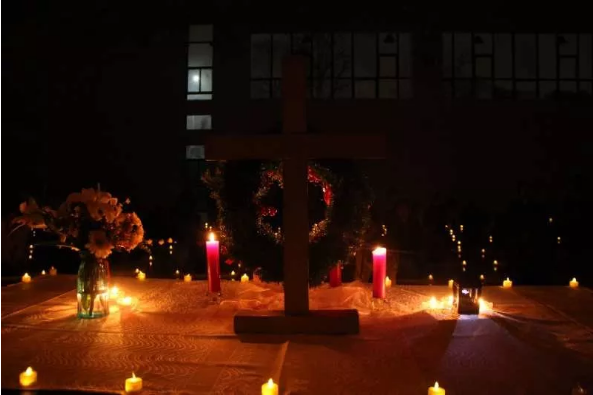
<point>295,212</point>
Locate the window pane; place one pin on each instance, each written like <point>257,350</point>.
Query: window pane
<point>343,89</point>
<point>200,55</point>
<point>321,89</point>
<point>503,60</point>
<point>585,88</point>
<point>405,89</point>
<point>200,33</point>
<point>364,89</point>
<point>463,55</point>
<point>387,43</point>
<point>365,55</point>
<point>503,89</point>
<point>405,53</point>
<point>260,56</point>
<point>199,122</point>
<point>568,86</point>
<point>525,55</point>
<point>547,56</point>
<point>567,44</point>
<point>388,89</point>
<point>547,89</point>
<point>206,79</point>
<point>342,55</point>
<point>525,90</point>
<point>483,89</point>
<point>387,66</point>
<point>447,55</point>
<point>193,81</point>
<point>194,152</point>
<point>200,97</point>
<point>276,89</point>
<point>483,43</point>
<point>484,67</point>
<point>260,89</point>
<point>322,56</point>
<point>281,49</point>
<point>463,89</point>
<point>568,68</point>
<point>585,55</point>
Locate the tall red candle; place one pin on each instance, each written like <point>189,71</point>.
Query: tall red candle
<point>335,275</point>
<point>379,272</point>
<point>213,259</point>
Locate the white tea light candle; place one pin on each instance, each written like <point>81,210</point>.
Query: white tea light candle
<point>133,384</point>
<point>436,390</point>
<point>26,278</point>
<point>269,388</point>
<point>573,283</point>
<point>245,278</point>
<point>28,377</point>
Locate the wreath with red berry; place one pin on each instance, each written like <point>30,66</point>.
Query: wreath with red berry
<point>271,175</point>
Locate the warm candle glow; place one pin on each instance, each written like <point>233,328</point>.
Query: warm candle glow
<point>43,272</point>
<point>28,377</point>
<point>482,277</point>
<point>464,263</point>
<point>26,278</point>
<point>495,262</point>
<point>53,271</point>
<point>379,272</point>
<point>387,282</point>
<point>245,278</point>
<point>177,272</point>
<point>451,283</point>
<point>150,257</point>
<point>432,303</point>
<point>137,270</point>
<point>430,278</point>
<point>133,384</point>
<point>127,301</point>
<point>187,278</point>
<point>232,273</point>
<point>574,283</point>
<point>141,276</point>
<point>114,292</point>
<point>211,236</point>
<point>269,388</point>
<point>436,390</point>
<point>507,283</point>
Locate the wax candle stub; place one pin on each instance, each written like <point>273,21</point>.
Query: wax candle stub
<point>26,278</point>
<point>133,384</point>
<point>507,283</point>
<point>436,390</point>
<point>574,283</point>
<point>269,388</point>
<point>28,377</point>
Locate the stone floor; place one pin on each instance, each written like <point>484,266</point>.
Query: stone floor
<point>180,340</point>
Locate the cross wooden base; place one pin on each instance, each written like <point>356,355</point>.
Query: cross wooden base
<point>316,322</point>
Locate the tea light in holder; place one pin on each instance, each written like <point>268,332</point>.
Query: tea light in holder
<point>387,282</point>
<point>28,377</point>
<point>26,278</point>
<point>573,283</point>
<point>436,390</point>
<point>43,272</point>
<point>507,283</point>
<point>133,384</point>
<point>245,278</point>
<point>269,388</point>
<point>53,271</point>
<point>141,276</point>
<point>187,278</point>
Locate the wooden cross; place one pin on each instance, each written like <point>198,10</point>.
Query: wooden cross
<point>294,147</point>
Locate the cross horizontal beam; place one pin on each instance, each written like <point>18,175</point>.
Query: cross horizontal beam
<point>285,146</point>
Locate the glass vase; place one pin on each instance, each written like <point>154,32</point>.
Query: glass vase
<point>92,287</point>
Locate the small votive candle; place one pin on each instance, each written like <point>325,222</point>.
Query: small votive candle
<point>137,270</point>
<point>43,272</point>
<point>451,283</point>
<point>26,278</point>
<point>187,278</point>
<point>141,276</point>
<point>436,390</point>
<point>464,263</point>
<point>430,278</point>
<point>245,278</point>
<point>177,272</point>
<point>28,377</point>
<point>573,283</point>
<point>127,301</point>
<point>232,273</point>
<point>133,384</point>
<point>53,271</point>
<point>269,388</point>
<point>114,292</point>
<point>482,277</point>
<point>507,283</point>
<point>387,282</point>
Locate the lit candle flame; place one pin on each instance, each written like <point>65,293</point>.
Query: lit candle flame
<point>211,237</point>
<point>574,279</point>
<point>29,371</point>
<point>271,383</point>
<point>436,384</point>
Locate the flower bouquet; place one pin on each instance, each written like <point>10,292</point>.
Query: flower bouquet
<point>95,224</point>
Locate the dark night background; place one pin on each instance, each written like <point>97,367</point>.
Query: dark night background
<point>95,92</point>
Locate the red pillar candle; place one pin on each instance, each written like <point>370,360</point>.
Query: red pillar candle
<point>335,275</point>
<point>213,259</point>
<point>379,272</point>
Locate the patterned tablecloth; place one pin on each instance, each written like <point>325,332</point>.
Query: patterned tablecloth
<point>180,340</point>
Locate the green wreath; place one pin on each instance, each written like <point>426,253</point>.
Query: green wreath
<point>248,211</point>
<point>271,175</point>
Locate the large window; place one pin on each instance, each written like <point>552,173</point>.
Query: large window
<point>199,63</point>
<point>340,65</point>
<point>517,65</point>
